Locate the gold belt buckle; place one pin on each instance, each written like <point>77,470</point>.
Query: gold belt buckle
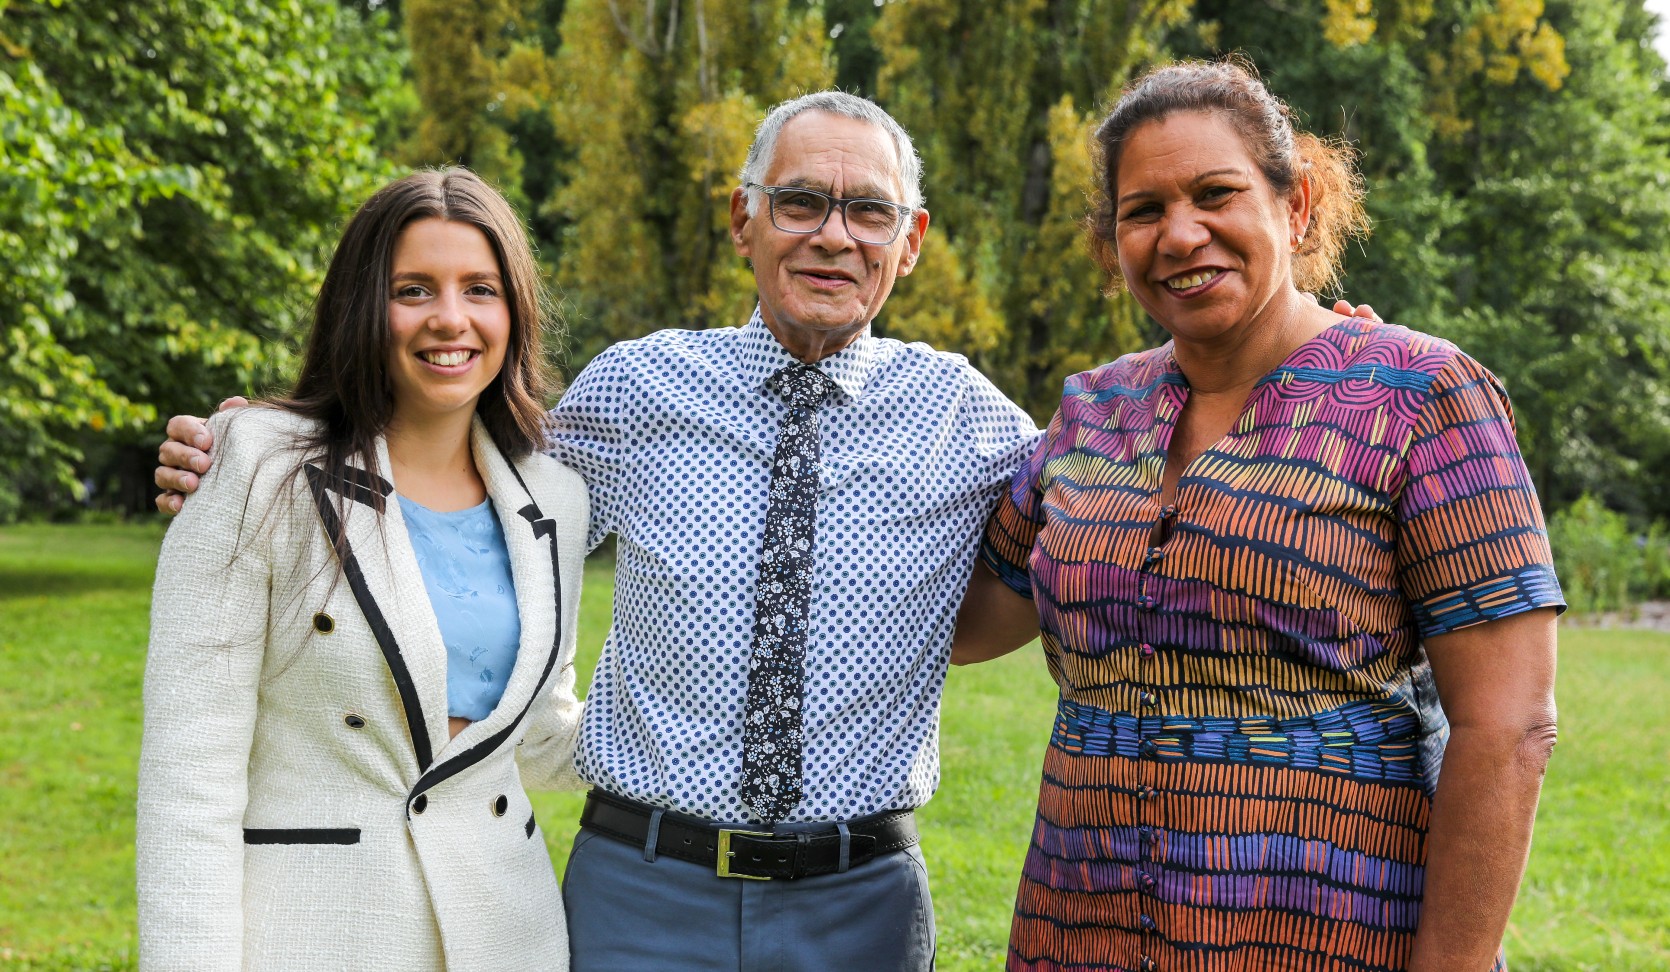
<point>725,853</point>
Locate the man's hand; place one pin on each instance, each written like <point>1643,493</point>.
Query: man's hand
<point>185,456</point>
<point>1344,309</point>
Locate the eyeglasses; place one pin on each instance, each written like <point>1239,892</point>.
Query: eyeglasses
<point>797,210</point>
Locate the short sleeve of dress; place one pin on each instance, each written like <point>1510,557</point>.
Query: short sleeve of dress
<point>1472,545</point>
<point>1014,525</point>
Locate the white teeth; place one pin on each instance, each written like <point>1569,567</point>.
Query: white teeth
<point>446,359</point>
<point>1193,280</point>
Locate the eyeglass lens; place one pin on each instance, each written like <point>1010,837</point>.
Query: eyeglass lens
<point>868,220</point>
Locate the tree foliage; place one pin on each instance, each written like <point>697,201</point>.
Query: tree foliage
<point>642,202</point>
<point>1001,99</point>
<point>170,172</point>
<point>1520,186</point>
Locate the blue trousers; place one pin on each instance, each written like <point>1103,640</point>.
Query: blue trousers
<point>627,913</point>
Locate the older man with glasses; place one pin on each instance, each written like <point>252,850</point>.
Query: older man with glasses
<point>796,503</point>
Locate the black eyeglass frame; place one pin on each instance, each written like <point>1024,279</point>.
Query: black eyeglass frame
<point>833,203</point>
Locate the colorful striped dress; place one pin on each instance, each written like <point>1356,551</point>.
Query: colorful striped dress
<point>1248,735</point>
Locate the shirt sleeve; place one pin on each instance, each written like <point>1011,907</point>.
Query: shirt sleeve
<point>1003,434</point>
<point>1014,525</point>
<point>1472,545</point>
<point>587,435</point>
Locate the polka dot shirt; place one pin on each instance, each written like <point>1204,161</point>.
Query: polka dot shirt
<point>674,434</point>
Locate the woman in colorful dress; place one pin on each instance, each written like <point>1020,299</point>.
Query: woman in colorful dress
<point>363,631</point>
<point>1269,558</point>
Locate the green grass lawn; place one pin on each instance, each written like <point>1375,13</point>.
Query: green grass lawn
<point>73,606</point>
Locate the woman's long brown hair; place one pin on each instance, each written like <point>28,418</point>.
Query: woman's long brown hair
<point>344,385</point>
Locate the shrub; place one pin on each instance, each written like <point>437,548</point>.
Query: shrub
<point>1604,563</point>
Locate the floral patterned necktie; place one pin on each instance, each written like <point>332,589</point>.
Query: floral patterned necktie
<point>771,736</point>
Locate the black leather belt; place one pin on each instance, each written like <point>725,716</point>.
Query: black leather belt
<point>749,853</point>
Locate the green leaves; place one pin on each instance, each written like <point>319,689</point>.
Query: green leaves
<point>171,173</point>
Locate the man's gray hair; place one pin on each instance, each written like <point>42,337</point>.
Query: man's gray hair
<point>834,103</point>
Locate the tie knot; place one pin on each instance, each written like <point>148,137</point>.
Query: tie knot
<point>801,386</point>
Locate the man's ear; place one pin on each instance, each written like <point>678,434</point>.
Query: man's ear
<point>913,241</point>
<point>739,222</point>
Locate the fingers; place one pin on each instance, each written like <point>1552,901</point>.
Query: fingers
<point>236,401</point>
<point>177,456</point>
<point>169,504</point>
<point>171,479</point>
<point>190,430</point>
<point>1344,309</point>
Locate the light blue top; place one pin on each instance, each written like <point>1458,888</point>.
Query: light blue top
<point>466,569</point>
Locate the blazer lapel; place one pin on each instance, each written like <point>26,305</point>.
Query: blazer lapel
<point>532,542</point>
<point>531,567</point>
<point>382,572</point>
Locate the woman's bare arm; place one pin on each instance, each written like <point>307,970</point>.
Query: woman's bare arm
<point>993,620</point>
<point>1496,682</point>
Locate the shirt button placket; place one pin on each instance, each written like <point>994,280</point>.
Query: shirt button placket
<point>1147,722</point>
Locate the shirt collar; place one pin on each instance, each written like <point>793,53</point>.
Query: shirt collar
<point>760,355</point>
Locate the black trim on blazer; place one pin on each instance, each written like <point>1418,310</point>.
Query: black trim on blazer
<point>542,528</point>
<point>358,488</point>
<point>302,835</point>
<point>529,825</point>
<point>357,484</point>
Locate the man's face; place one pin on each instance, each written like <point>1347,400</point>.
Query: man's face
<point>819,290</point>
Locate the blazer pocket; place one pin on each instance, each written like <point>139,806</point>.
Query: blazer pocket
<point>302,835</point>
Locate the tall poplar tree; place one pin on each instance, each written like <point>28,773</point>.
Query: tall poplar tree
<point>659,102</point>
<point>1002,97</point>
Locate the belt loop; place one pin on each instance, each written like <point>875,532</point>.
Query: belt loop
<point>654,836</point>
<point>846,848</point>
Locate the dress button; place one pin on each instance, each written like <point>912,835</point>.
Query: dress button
<point>1149,965</point>
<point>1145,793</point>
<point>1147,650</point>
<point>1146,834</point>
<point>1146,602</point>
<point>421,803</point>
<point>1147,923</point>
<point>1155,554</point>
<point>353,721</point>
<point>1148,747</point>
<point>1146,880</point>
<point>1168,512</point>
<point>1149,700</point>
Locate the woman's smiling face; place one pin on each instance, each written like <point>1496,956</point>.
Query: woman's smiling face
<point>449,319</point>
<point>1204,241</point>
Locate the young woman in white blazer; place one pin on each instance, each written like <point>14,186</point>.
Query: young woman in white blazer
<point>334,752</point>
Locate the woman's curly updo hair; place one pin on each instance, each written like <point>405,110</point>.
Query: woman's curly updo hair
<point>1231,88</point>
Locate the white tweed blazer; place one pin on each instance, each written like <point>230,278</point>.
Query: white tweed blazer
<point>301,806</point>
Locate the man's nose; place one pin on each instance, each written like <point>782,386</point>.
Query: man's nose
<point>833,236</point>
